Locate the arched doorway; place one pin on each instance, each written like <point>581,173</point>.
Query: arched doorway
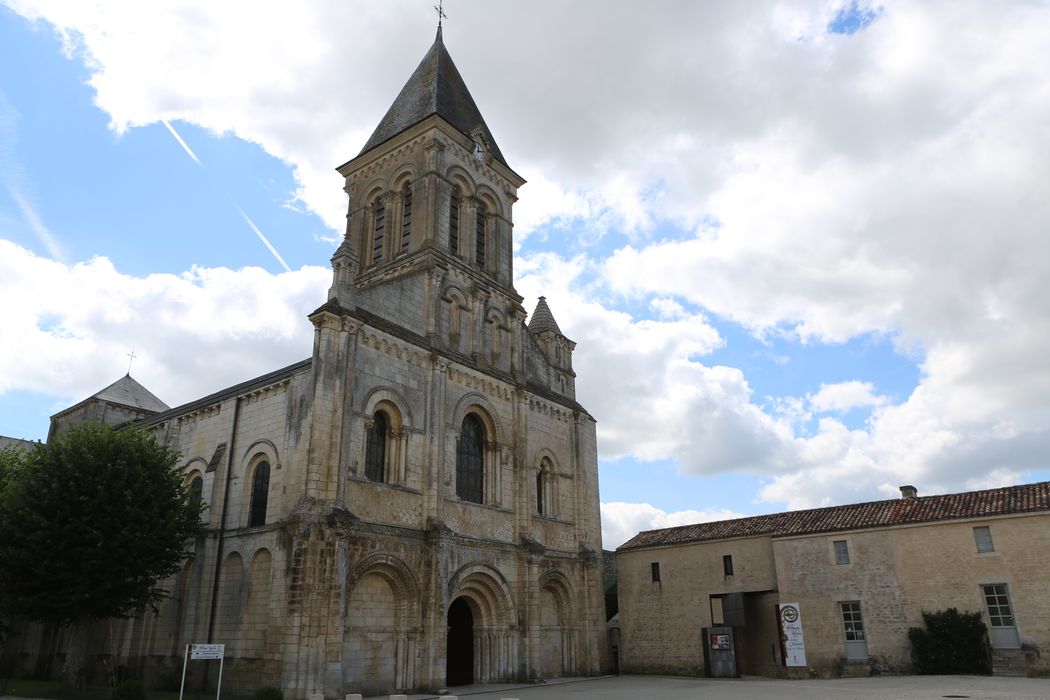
<point>460,648</point>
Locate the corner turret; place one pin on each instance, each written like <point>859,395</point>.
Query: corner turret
<point>556,348</point>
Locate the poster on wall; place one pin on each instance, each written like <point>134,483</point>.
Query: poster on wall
<point>792,644</point>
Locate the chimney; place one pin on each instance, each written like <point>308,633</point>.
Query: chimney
<point>909,492</point>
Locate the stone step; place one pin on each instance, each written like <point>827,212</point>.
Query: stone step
<point>856,669</point>
<point>1009,662</point>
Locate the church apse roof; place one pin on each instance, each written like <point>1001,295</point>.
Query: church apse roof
<point>435,87</point>
<point>128,392</point>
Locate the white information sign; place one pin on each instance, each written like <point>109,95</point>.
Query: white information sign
<point>791,634</point>
<point>202,652</point>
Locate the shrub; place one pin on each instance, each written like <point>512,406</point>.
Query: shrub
<point>952,642</point>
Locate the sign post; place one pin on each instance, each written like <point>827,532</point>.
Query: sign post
<point>792,643</point>
<point>203,652</point>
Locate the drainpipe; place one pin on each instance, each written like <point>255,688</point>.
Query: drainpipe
<point>222,521</point>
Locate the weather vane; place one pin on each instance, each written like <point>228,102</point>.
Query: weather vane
<point>132,357</point>
<point>441,12</point>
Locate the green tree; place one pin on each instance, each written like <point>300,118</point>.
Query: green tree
<point>90,524</point>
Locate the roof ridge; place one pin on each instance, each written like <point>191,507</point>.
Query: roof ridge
<point>881,513</point>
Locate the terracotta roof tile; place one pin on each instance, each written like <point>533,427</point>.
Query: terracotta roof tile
<point>1007,500</point>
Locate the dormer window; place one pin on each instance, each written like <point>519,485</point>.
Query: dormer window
<point>453,220</point>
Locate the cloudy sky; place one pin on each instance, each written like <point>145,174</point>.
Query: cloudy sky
<point>803,247</point>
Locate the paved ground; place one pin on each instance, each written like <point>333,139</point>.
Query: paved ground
<point>678,688</point>
<point>751,688</point>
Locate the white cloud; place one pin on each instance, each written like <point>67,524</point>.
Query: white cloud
<point>843,396</point>
<point>889,183</point>
<point>193,334</point>
<point>622,521</point>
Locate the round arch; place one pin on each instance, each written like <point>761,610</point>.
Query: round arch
<point>382,623</point>
<point>478,404</point>
<point>393,402</point>
<point>491,201</point>
<point>404,175</point>
<point>461,178</point>
<point>400,578</point>
<point>481,644</point>
<point>487,591</point>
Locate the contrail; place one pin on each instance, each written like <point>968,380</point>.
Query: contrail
<point>185,147</point>
<point>263,238</point>
<point>247,219</point>
<point>38,226</point>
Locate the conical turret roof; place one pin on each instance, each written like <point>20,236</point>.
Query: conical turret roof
<point>435,87</point>
<point>542,319</point>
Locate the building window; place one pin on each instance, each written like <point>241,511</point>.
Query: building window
<point>378,225</point>
<point>545,499</point>
<point>997,603</point>
<point>406,217</point>
<point>479,245</point>
<point>453,220</point>
<point>375,447</point>
<point>983,537</point>
<point>260,494</point>
<point>852,623</point>
<point>539,492</point>
<point>196,493</point>
<point>841,552</point>
<point>654,569</point>
<point>470,460</point>
<point>727,564</point>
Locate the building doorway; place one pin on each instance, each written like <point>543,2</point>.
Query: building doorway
<point>1002,629</point>
<point>459,669</point>
<point>853,626</point>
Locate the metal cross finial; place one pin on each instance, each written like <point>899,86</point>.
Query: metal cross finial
<point>131,355</point>
<point>441,12</point>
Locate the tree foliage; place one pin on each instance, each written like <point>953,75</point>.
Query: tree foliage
<point>952,642</point>
<point>90,523</point>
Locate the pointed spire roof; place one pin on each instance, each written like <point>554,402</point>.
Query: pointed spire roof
<point>127,392</point>
<point>435,87</point>
<point>542,319</point>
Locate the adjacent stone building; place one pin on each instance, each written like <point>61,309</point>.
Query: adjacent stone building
<point>415,505</point>
<point>858,575</point>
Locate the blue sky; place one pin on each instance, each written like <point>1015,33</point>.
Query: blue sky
<point>803,263</point>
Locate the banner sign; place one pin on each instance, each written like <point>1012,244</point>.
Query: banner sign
<point>792,644</point>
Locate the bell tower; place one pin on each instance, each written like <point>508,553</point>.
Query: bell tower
<point>430,218</point>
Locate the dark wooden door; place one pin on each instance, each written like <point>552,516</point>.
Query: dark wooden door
<point>460,668</point>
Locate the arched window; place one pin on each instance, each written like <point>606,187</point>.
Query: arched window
<point>539,492</point>
<point>260,493</point>
<point>196,493</point>
<point>453,220</point>
<point>375,447</point>
<point>406,217</point>
<point>378,225</point>
<point>470,460</point>
<point>545,497</point>
<point>479,245</point>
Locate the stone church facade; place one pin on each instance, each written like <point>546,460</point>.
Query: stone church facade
<point>416,505</point>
